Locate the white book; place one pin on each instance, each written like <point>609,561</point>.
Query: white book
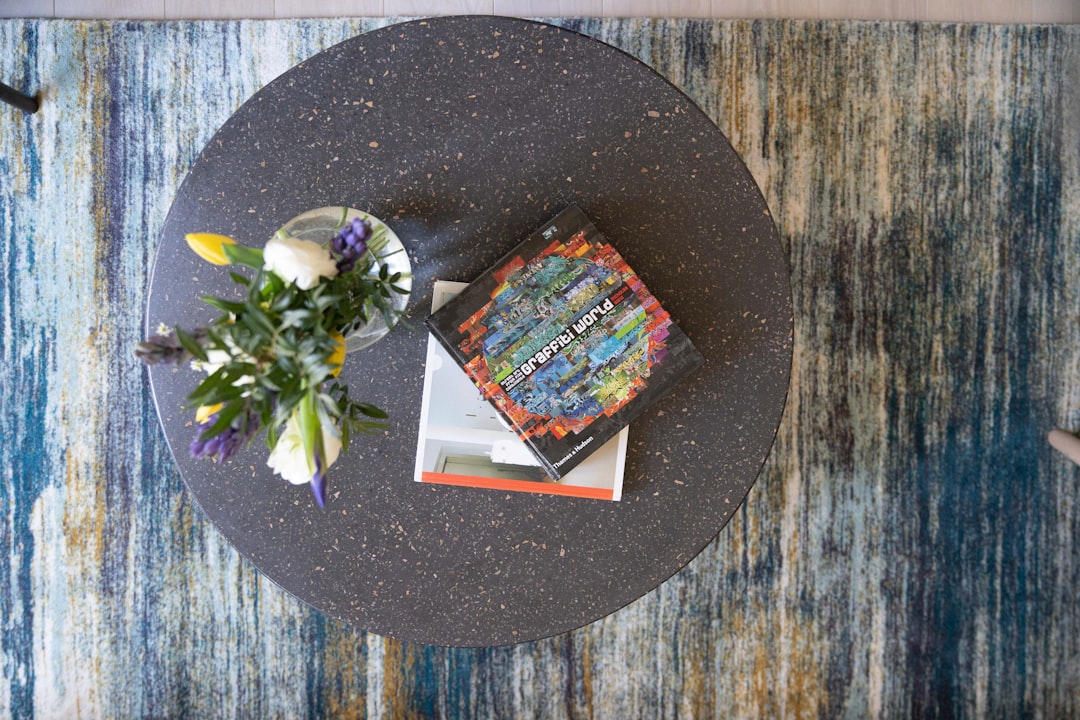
<point>463,441</point>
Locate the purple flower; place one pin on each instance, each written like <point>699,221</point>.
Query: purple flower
<point>318,483</point>
<point>225,444</point>
<point>350,244</point>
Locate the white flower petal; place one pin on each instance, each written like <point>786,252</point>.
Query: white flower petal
<point>299,261</point>
<point>288,460</point>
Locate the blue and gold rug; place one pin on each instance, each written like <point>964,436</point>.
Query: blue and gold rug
<point>909,550</point>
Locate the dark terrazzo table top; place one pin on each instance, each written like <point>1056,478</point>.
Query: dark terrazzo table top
<point>465,134</point>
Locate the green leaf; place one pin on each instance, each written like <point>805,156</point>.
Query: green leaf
<point>242,255</point>
<point>267,382</point>
<point>324,302</point>
<point>271,433</point>
<point>224,305</point>
<point>391,254</point>
<point>309,427</point>
<point>216,334</point>
<point>224,419</point>
<point>251,343</point>
<point>270,285</point>
<point>325,418</point>
<point>218,388</point>
<point>372,411</point>
<point>255,318</point>
<point>240,279</point>
<point>281,416</point>
<point>190,344</point>
<point>283,300</point>
<point>344,437</point>
<point>298,318</point>
<point>378,240</point>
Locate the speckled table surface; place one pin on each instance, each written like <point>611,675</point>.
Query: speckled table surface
<point>465,134</point>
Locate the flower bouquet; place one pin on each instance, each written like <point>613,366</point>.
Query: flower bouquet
<point>273,356</point>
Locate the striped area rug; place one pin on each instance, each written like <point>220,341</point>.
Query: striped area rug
<point>909,550</point>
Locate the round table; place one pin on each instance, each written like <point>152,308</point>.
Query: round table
<point>465,134</point>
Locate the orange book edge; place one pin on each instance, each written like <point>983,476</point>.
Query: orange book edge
<point>518,485</point>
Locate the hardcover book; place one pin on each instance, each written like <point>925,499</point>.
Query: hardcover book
<point>463,441</point>
<point>565,341</point>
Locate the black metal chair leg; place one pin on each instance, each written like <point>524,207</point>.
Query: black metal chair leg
<point>20,100</point>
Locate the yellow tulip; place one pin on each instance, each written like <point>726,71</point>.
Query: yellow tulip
<point>209,246</point>
<point>337,358</point>
<point>203,412</point>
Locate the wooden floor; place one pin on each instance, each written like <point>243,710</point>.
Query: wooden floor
<point>993,11</point>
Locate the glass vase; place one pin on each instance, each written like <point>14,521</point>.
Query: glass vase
<point>321,225</point>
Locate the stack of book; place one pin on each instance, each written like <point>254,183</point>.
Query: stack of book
<point>537,367</point>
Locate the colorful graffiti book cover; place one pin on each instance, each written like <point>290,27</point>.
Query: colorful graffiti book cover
<point>463,441</point>
<point>565,341</point>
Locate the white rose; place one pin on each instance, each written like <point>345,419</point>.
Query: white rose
<point>288,458</point>
<point>299,261</point>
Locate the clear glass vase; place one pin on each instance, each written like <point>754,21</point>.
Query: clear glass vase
<point>321,225</point>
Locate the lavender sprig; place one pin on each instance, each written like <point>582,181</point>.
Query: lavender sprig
<point>165,348</point>
<point>350,244</point>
